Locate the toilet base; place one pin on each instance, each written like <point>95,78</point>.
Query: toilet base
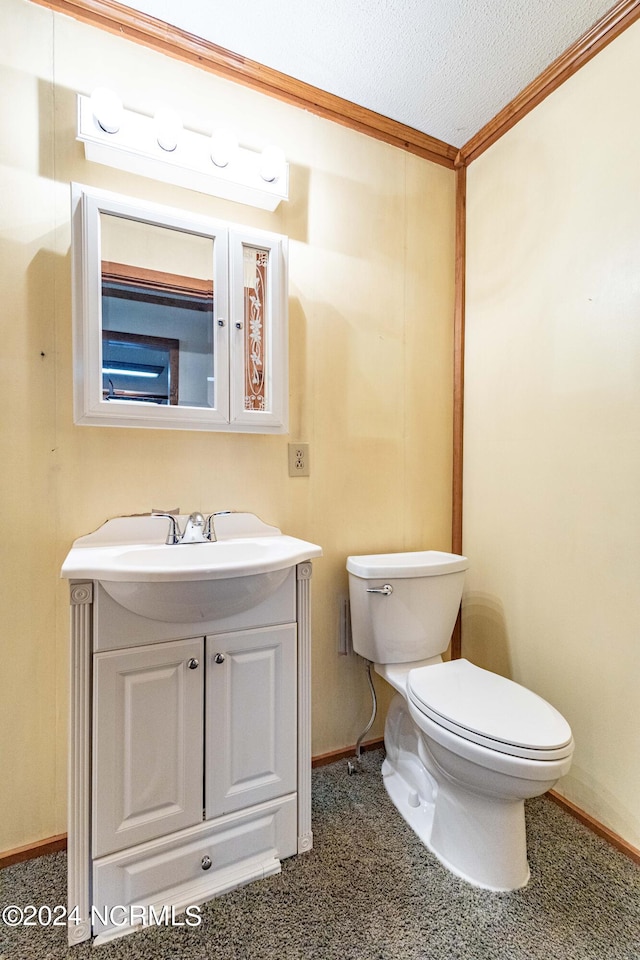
<point>481,839</point>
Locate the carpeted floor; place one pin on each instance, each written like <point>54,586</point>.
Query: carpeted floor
<point>370,891</point>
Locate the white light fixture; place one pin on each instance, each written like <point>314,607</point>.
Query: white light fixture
<point>161,149</point>
<point>168,128</point>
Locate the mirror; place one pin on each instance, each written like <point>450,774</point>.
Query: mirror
<point>157,314</point>
<point>179,320</point>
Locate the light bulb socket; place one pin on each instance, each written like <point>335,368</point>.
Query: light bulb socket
<point>224,145</point>
<point>272,164</point>
<point>168,127</point>
<point>107,109</point>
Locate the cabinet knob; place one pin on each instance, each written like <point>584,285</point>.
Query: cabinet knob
<point>220,322</point>
<point>193,664</point>
<point>238,325</point>
<point>219,658</point>
<point>206,863</point>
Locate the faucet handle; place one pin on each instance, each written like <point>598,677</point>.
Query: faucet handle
<point>209,529</point>
<point>173,536</point>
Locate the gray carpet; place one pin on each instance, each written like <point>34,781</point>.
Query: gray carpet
<point>370,891</point>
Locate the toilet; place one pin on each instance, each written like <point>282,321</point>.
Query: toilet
<point>464,747</point>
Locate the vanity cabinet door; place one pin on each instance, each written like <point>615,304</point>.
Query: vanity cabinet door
<point>251,718</point>
<point>147,747</point>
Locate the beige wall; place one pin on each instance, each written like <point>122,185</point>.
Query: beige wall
<point>371,292</point>
<point>552,428</point>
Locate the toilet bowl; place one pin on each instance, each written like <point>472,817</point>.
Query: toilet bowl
<point>464,747</point>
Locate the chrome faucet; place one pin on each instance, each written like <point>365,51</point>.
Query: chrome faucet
<point>196,530</point>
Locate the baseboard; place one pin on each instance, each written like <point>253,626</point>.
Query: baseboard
<point>596,827</point>
<point>32,850</point>
<point>347,753</point>
<point>53,844</point>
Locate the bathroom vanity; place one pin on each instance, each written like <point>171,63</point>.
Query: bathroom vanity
<point>190,754</point>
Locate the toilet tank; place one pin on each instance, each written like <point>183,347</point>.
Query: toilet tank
<point>414,619</point>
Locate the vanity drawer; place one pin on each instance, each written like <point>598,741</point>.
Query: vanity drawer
<point>241,847</point>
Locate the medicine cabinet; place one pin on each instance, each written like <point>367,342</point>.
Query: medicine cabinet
<point>180,321</point>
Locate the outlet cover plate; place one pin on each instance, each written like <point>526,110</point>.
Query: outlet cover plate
<point>298,459</point>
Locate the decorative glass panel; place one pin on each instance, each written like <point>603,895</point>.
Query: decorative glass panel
<point>256,347</point>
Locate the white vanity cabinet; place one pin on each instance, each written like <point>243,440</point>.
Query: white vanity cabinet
<point>190,753</point>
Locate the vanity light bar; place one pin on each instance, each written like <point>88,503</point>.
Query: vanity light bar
<point>130,141</point>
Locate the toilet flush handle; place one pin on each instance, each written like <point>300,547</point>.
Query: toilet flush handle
<point>386,590</point>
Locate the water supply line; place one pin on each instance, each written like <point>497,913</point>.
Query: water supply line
<point>351,766</point>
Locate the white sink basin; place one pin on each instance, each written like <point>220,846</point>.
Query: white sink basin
<point>186,583</point>
<point>193,601</point>
<point>203,560</point>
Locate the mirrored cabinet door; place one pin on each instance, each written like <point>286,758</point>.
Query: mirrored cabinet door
<point>160,343</point>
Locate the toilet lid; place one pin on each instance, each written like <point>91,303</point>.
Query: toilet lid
<point>489,709</point>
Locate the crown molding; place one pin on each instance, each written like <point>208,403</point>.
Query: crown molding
<point>621,16</point>
<point>141,28</point>
<point>114,17</point>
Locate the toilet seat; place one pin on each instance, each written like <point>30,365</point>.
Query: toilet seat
<point>489,710</point>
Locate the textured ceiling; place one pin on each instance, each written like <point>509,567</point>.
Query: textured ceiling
<point>444,67</point>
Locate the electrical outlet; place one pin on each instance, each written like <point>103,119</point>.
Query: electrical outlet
<point>298,459</point>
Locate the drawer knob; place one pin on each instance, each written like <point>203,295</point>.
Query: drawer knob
<point>206,863</point>
<point>193,664</point>
<point>219,658</point>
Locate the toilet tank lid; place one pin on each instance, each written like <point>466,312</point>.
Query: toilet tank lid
<point>421,563</point>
